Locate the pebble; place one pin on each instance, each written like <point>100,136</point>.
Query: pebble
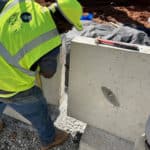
<point>26,138</point>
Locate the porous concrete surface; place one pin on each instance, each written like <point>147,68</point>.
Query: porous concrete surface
<point>20,136</point>
<point>107,85</point>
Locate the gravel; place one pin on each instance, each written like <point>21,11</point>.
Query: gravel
<point>21,136</point>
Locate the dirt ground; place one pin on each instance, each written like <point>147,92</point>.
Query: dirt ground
<point>132,12</point>
<point>127,14</point>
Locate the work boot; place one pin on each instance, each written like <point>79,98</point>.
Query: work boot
<point>2,125</point>
<point>60,138</point>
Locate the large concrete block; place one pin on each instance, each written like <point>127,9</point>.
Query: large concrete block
<point>109,87</point>
<point>52,88</point>
<point>96,139</point>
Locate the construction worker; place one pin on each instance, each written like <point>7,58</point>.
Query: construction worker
<point>29,43</point>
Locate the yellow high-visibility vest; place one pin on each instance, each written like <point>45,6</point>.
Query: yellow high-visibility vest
<point>27,32</point>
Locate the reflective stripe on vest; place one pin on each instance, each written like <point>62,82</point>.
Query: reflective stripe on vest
<point>36,42</point>
<point>23,55</point>
<point>14,60</point>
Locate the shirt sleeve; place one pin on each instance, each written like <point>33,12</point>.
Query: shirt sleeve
<point>47,63</point>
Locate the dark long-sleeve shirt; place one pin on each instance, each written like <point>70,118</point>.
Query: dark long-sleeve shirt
<point>47,63</point>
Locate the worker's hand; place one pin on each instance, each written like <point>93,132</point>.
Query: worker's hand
<point>47,75</point>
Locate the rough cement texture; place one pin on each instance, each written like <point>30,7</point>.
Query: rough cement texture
<point>96,139</point>
<point>123,108</point>
<point>20,136</point>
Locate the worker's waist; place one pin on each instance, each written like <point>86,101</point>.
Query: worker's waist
<point>6,92</point>
<point>5,95</point>
<point>9,95</point>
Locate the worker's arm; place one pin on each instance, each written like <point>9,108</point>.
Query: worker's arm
<point>48,63</point>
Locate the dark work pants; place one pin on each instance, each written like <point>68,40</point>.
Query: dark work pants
<point>32,105</point>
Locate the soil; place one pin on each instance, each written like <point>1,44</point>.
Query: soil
<point>132,12</point>
<point>129,13</point>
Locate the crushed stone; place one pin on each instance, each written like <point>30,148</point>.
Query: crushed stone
<point>20,136</point>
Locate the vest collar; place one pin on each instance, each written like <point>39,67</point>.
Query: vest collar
<point>2,4</point>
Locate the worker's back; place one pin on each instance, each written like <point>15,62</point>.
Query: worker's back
<point>27,32</point>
